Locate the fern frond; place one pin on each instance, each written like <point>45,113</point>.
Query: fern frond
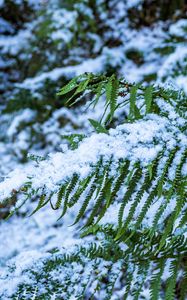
<point>131,188</point>
<point>141,276</point>
<point>112,90</point>
<point>148,98</point>
<point>156,279</point>
<point>128,180</point>
<point>171,282</point>
<point>133,112</point>
<point>71,85</point>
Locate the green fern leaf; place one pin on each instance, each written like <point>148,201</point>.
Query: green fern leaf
<point>98,127</point>
<point>171,282</point>
<point>112,88</point>
<point>148,98</point>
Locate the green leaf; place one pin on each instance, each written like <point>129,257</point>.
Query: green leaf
<point>171,282</point>
<point>150,169</point>
<point>82,86</point>
<point>98,93</point>
<point>98,127</point>
<point>156,280</point>
<point>80,89</point>
<point>133,93</point>
<point>75,83</point>
<point>137,113</point>
<point>69,87</point>
<point>134,111</point>
<point>148,98</point>
<point>112,88</point>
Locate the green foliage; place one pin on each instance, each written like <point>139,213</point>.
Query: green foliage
<point>142,251</point>
<point>98,127</point>
<point>101,265</point>
<point>142,100</point>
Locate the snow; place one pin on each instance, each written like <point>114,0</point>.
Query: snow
<point>133,3</point>
<point>177,57</point>
<point>135,142</point>
<point>32,238</point>
<point>178,28</point>
<point>181,82</point>
<point>26,243</point>
<point>14,44</point>
<point>91,65</point>
<point>27,114</point>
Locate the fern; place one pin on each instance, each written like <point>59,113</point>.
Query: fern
<point>134,112</point>
<point>148,98</point>
<point>132,203</point>
<point>156,280</point>
<point>95,86</point>
<point>112,89</point>
<point>98,127</point>
<point>170,291</point>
